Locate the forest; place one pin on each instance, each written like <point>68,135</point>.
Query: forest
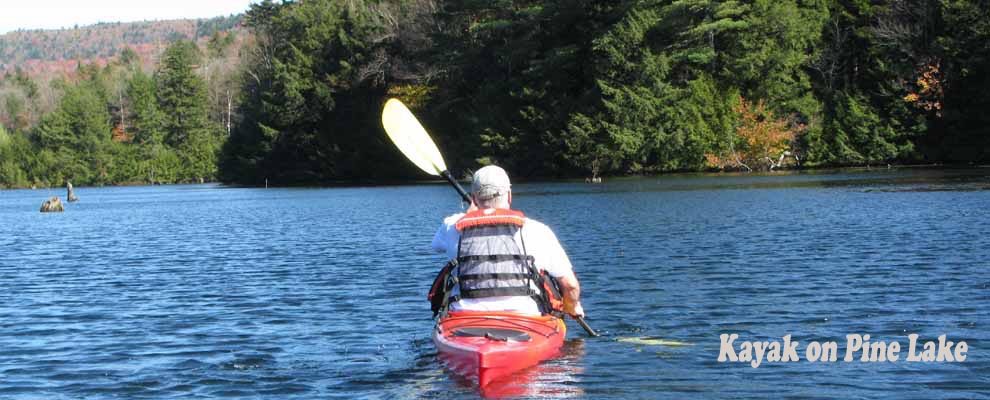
<point>546,89</point>
<point>102,41</point>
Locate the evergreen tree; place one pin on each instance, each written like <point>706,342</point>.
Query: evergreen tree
<point>183,103</point>
<point>252,141</point>
<point>147,119</point>
<point>533,56</point>
<point>13,148</point>
<point>314,104</point>
<point>78,135</point>
<point>963,72</point>
<point>661,110</point>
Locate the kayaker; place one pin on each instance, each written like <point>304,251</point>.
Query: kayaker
<point>495,254</point>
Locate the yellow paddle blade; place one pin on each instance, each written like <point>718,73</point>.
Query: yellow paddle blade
<point>653,342</point>
<point>410,137</point>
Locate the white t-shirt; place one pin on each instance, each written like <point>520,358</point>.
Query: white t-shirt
<point>540,243</point>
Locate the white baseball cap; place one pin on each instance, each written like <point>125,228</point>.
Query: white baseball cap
<point>490,182</point>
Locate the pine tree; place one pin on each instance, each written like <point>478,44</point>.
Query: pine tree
<point>146,118</point>
<point>78,133</point>
<point>183,102</point>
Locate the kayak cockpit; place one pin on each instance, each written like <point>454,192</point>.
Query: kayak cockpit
<point>501,335</point>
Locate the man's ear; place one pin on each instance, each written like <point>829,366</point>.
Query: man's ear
<point>510,197</point>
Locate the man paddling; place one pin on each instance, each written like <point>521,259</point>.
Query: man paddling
<point>491,245</point>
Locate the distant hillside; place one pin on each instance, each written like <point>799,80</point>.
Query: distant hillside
<point>44,52</point>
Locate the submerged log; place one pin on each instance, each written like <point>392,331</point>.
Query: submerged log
<point>70,196</point>
<point>53,204</point>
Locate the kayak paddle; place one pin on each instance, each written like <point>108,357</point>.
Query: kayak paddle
<point>591,332</point>
<point>411,138</point>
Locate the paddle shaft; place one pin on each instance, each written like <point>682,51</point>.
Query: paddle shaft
<point>457,186</point>
<point>591,332</point>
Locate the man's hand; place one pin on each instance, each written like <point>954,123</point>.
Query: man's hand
<point>574,310</point>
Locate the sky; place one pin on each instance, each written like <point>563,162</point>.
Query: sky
<point>55,14</point>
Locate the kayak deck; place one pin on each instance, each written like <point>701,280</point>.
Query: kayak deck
<point>492,345</point>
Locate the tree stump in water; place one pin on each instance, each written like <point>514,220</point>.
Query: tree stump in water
<point>595,168</point>
<point>53,204</point>
<point>70,196</point>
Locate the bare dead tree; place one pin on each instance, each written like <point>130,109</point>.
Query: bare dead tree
<point>906,27</point>
<point>407,31</point>
<point>828,62</point>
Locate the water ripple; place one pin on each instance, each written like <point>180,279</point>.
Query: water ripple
<point>206,292</point>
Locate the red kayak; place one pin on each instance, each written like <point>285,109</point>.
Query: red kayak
<point>492,345</point>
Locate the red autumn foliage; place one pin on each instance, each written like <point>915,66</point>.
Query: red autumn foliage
<point>46,54</point>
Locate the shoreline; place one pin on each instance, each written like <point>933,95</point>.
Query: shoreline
<point>405,182</point>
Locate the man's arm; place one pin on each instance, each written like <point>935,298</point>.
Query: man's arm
<point>551,257</point>
<point>439,243</point>
<point>571,289</point>
<point>446,236</point>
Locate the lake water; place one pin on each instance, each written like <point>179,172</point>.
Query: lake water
<point>207,292</point>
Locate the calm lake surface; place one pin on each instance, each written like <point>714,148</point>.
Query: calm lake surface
<point>205,292</point>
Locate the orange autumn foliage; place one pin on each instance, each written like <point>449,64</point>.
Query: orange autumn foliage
<point>118,134</point>
<point>930,92</point>
<point>759,140</point>
<point>714,161</point>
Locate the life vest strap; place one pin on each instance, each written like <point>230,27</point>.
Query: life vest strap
<point>496,292</point>
<point>479,277</point>
<point>495,257</point>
